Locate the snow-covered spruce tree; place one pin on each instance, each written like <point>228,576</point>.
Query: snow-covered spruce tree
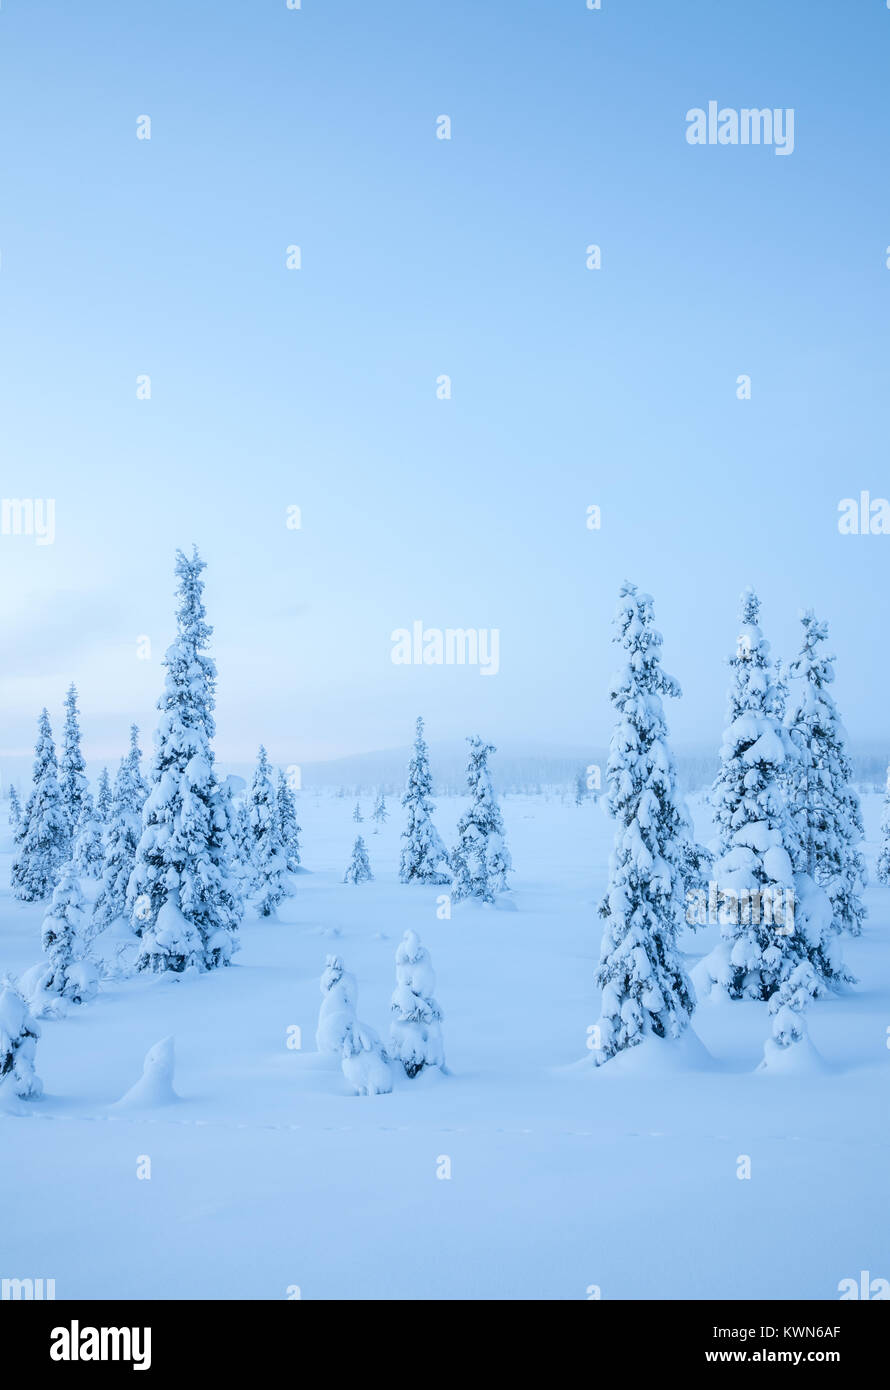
<point>243,840</point>
<point>18,1045</point>
<point>42,838</point>
<point>72,774</point>
<point>754,871</point>
<point>269,855</point>
<point>379,815</point>
<point>15,809</point>
<point>424,858</point>
<point>824,807</point>
<point>183,896</point>
<point>358,870</point>
<point>104,797</point>
<point>339,993</point>
<point>480,861</point>
<point>290,829</point>
<point>357,814</point>
<point>789,1047</point>
<point>62,942</point>
<point>88,850</point>
<point>696,865</point>
<point>646,991</point>
<point>364,1062</point>
<point>122,836</point>
<point>415,1034</point>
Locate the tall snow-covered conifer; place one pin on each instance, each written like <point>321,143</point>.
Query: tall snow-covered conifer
<point>72,774</point>
<point>183,893</point>
<point>646,991</point>
<point>269,852</point>
<point>480,861</point>
<point>424,858</point>
<point>770,918</point>
<point>41,842</point>
<point>824,807</point>
<point>290,829</point>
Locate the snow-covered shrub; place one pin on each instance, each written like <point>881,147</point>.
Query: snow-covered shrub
<point>415,1035</point>
<point>81,981</point>
<point>339,993</point>
<point>364,1063</point>
<point>18,1045</point>
<point>789,1048</point>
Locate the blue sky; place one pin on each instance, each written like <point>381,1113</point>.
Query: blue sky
<point>317,387</point>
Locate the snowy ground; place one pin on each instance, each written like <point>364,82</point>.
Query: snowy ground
<point>268,1174</point>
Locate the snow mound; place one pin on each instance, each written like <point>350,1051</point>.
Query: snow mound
<point>656,1056</point>
<point>800,1059</point>
<point>155,1085</point>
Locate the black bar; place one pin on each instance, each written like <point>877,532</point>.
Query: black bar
<point>247,1336</point>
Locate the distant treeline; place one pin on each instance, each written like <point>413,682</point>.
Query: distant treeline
<point>525,774</point>
<point>530,775</point>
